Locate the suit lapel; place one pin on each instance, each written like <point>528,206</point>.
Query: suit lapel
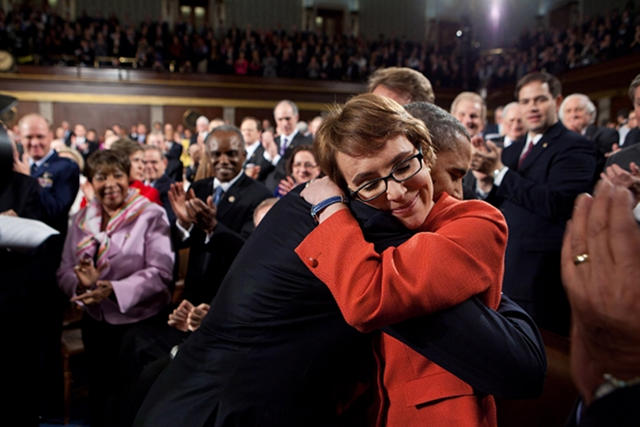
<point>511,154</point>
<point>547,137</point>
<point>231,196</point>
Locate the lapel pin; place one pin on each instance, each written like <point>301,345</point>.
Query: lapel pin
<point>232,199</point>
<point>544,144</point>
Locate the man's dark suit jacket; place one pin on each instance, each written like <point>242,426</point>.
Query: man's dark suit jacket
<point>537,200</point>
<point>272,175</point>
<point>208,263</point>
<point>174,164</point>
<point>625,156</point>
<point>619,408</point>
<point>603,139</point>
<point>59,179</point>
<point>257,158</point>
<point>632,138</point>
<point>22,194</point>
<point>163,184</point>
<point>274,349</point>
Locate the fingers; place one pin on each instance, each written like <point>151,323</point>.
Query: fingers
<point>185,305</point>
<point>578,229</point>
<point>635,170</point>
<point>598,223</point>
<point>622,226</point>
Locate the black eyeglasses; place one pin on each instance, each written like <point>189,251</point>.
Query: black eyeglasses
<point>401,172</point>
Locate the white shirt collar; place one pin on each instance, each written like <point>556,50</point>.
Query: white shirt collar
<point>39,163</point>
<point>289,137</point>
<point>226,185</point>
<point>251,148</point>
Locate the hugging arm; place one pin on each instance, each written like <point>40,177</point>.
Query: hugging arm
<point>496,352</point>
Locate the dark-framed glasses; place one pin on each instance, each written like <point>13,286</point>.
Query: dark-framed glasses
<point>401,172</point>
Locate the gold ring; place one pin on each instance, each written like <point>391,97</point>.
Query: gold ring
<point>579,259</point>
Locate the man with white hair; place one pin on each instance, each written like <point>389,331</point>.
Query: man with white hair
<point>202,130</point>
<point>578,114</point>
<point>512,125</point>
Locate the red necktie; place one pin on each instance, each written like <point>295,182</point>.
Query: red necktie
<point>526,153</point>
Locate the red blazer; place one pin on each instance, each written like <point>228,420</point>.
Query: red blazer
<point>457,253</point>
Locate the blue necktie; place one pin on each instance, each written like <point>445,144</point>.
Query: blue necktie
<point>283,146</point>
<point>217,195</point>
<point>34,167</point>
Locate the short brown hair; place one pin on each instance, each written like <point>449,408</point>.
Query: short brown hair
<point>126,146</point>
<point>107,159</point>
<point>406,81</point>
<point>362,127</point>
<point>555,87</point>
<point>632,88</point>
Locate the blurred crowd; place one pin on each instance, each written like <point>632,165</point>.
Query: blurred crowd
<point>44,37</point>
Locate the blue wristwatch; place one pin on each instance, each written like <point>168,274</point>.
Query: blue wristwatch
<point>316,209</point>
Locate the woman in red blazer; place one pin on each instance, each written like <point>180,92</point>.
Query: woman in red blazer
<point>373,150</point>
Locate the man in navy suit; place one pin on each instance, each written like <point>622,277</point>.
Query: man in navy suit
<point>278,152</point>
<point>58,176</point>
<point>535,182</point>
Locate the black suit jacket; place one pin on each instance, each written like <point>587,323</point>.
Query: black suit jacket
<point>619,408</point>
<point>274,349</point>
<point>257,158</point>
<point>174,165</point>
<point>632,138</point>
<point>163,184</point>
<point>22,194</point>
<point>273,174</point>
<point>625,156</point>
<point>208,262</point>
<point>537,200</point>
<point>603,139</point>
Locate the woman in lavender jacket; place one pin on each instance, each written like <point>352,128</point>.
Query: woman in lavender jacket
<point>117,264</point>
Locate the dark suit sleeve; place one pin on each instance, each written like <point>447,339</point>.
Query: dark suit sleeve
<point>619,408</point>
<point>569,174</point>
<point>32,205</point>
<point>59,198</point>
<point>499,353</point>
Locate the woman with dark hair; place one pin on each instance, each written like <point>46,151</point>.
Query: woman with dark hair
<point>117,264</point>
<point>374,151</point>
<point>301,167</point>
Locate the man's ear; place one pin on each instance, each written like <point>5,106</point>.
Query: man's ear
<point>559,99</point>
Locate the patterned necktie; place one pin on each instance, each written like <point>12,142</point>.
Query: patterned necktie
<point>526,153</point>
<point>283,146</point>
<point>217,195</point>
<point>34,167</point>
